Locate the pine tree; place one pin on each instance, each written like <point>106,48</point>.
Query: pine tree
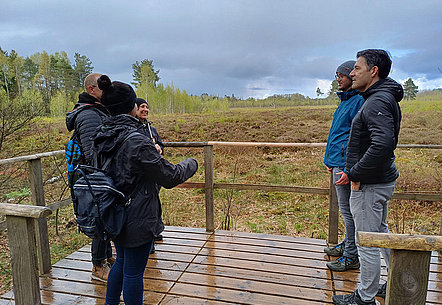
<point>144,73</point>
<point>410,90</point>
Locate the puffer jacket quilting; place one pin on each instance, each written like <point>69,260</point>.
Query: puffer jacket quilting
<point>374,135</point>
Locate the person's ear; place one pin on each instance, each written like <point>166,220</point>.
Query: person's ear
<point>374,71</point>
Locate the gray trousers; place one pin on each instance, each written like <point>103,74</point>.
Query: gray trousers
<point>343,194</point>
<point>369,207</point>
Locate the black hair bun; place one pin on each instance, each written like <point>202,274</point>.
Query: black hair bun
<point>104,82</point>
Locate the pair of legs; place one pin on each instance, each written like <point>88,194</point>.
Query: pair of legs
<point>343,194</point>
<point>369,207</point>
<point>126,275</point>
<point>100,251</point>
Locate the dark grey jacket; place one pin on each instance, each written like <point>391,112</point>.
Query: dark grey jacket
<point>86,116</point>
<point>374,134</point>
<point>136,169</point>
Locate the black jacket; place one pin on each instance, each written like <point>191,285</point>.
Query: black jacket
<point>374,134</point>
<point>147,129</point>
<point>86,116</point>
<point>136,169</point>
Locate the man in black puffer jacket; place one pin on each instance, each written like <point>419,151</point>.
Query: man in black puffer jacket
<point>370,164</point>
<point>136,169</point>
<point>86,116</point>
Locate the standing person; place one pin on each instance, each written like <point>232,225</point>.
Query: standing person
<point>136,168</point>
<point>334,160</point>
<point>370,163</point>
<point>86,116</point>
<point>147,129</point>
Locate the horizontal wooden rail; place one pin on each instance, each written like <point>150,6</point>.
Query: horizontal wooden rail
<point>304,189</point>
<point>214,143</point>
<point>32,157</point>
<point>400,241</point>
<point>409,267</point>
<point>22,210</point>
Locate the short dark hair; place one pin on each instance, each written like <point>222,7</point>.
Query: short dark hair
<point>379,58</point>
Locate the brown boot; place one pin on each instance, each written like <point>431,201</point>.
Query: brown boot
<point>111,261</point>
<point>101,273</point>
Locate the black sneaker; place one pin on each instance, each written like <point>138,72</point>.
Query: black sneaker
<point>343,264</point>
<point>351,299</point>
<point>158,238</point>
<point>337,250</point>
<point>382,290</point>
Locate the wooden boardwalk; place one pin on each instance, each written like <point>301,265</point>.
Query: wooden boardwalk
<point>194,267</point>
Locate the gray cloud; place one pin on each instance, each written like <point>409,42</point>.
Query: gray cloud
<point>225,47</point>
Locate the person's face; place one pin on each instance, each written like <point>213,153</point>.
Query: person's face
<point>362,75</point>
<point>344,82</point>
<point>143,112</point>
<point>95,92</point>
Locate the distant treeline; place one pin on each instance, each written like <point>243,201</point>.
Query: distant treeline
<point>50,84</point>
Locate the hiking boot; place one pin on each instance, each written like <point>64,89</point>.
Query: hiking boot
<point>351,299</point>
<point>111,260</point>
<point>158,238</point>
<point>343,264</point>
<point>382,290</point>
<point>337,250</point>
<point>101,273</point>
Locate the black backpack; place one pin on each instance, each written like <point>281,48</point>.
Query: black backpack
<point>99,207</point>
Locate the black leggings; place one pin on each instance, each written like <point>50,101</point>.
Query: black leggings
<point>100,251</point>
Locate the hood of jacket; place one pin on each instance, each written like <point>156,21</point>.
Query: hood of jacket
<point>385,86</point>
<point>85,101</point>
<point>113,132</point>
<point>345,95</point>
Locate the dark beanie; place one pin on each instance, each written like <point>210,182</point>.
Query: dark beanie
<point>118,97</point>
<point>346,68</point>
<point>140,101</point>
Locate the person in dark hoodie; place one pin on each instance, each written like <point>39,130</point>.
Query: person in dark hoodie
<point>136,168</point>
<point>334,160</point>
<point>86,116</point>
<point>147,129</point>
<point>370,164</point>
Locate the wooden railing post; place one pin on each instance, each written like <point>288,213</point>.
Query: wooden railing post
<point>20,221</point>
<point>333,214</point>
<point>409,264</point>
<point>208,187</point>
<point>38,198</point>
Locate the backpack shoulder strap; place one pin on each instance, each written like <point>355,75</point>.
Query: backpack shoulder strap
<point>106,164</point>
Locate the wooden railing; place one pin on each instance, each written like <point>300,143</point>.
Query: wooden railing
<point>38,198</point>
<point>22,235</point>
<point>409,264</point>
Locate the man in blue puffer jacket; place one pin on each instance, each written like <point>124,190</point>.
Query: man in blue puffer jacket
<point>335,158</point>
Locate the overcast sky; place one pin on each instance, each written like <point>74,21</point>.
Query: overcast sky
<point>249,48</point>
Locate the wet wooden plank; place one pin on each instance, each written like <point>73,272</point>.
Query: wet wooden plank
<point>191,266</point>
<point>263,266</point>
<point>258,275</point>
<point>236,296</point>
<point>258,257</point>
<point>182,300</point>
<point>258,287</point>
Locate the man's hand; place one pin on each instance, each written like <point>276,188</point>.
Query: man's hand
<point>355,185</point>
<point>329,169</point>
<point>343,180</point>
<point>158,149</point>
